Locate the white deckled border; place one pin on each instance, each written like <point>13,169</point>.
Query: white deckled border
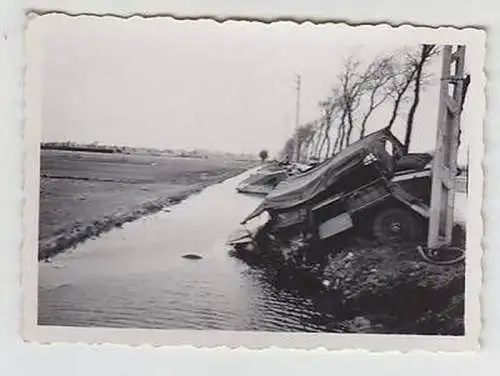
<point>258,340</point>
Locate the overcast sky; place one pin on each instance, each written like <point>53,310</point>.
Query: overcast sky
<point>180,84</point>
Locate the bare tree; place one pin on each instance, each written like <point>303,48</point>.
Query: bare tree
<point>380,75</point>
<point>339,140</point>
<point>329,107</point>
<point>303,136</point>
<point>405,74</point>
<point>288,149</point>
<point>427,51</point>
<point>401,79</point>
<point>359,90</point>
<point>351,87</point>
<point>311,141</point>
<point>318,137</point>
<point>263,155</point>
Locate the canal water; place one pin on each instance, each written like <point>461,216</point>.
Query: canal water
<point>136,277</point>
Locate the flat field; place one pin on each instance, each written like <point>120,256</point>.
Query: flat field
<point>84,194</point>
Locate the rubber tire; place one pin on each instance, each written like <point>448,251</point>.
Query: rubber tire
<point>412,227</point>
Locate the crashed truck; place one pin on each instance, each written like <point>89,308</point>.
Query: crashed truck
<point>267,178</point>
<point>369,187</point>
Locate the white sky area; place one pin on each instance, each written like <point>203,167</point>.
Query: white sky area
<point>199,84</point>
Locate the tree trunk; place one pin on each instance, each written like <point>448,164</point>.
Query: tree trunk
<point>371,108</point>
<point>323,143</point>
<point>339,142</point>
<point>317,141</point>
<point>326,135</point>
<point>399,98</point>
<point>328,147</point>
<point>426,50</point>
<point>363,123</point>
<point>351,126</point>
<point>340,138</point>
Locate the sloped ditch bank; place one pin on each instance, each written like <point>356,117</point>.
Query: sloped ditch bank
<point>365,287</point>
<point>79,233</point>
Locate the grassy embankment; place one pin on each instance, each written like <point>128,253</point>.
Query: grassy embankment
<point>85,194</point>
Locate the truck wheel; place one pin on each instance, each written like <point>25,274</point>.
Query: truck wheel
<point>396,225</point>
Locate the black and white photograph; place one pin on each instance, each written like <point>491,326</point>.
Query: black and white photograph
<point>242,178</point>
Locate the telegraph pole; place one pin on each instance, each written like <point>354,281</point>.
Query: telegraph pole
<point>297,117</point>
<point>444,164</point>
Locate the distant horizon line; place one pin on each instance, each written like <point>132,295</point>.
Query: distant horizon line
<point>152,148</point>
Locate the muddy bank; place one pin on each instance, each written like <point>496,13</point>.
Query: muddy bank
<point>79,233</point>
<point>83,195</point>
<point>368,287</point>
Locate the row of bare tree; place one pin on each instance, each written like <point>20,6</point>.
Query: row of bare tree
<point>390,81</point>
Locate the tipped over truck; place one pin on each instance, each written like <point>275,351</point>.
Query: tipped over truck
<point>267,178</point>
<point>370,186</point>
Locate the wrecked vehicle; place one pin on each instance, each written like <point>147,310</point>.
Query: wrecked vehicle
<point>266,179</point>
<point>369,187</point>
<point>262,182</point>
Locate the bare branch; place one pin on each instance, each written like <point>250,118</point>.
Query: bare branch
<point>426,54</point>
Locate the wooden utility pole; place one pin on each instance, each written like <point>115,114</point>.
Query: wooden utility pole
<point>444,168</point>
<point>297,118</point>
